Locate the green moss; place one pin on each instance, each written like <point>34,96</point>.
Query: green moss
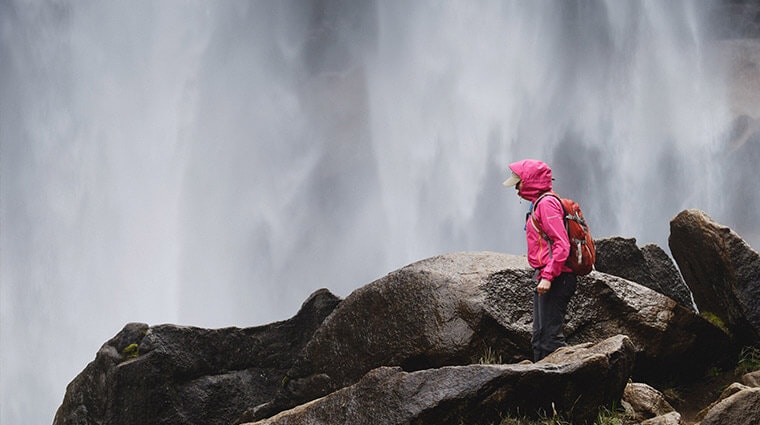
<point>131,351</point>
<point>715,320</point>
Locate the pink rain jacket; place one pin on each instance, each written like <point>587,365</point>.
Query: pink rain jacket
<point>536,178</point>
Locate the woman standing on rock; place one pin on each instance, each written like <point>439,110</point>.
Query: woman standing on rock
<point>548,248</point>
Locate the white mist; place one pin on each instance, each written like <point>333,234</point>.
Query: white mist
<point>212,164</point>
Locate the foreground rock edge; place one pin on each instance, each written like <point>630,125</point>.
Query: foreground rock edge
<point>574,381</point>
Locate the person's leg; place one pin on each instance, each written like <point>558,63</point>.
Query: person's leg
<point>536,340</point>
<point>551,317</point>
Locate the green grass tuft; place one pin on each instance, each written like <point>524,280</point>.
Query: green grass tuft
<point>490,357</point>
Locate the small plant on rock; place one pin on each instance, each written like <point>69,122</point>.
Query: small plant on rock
<point>131,351</point>
<point>490,357</point>
<point>613,416</point>
<point>749,360</point>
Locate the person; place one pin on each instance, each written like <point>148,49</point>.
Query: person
<point>548,248</point>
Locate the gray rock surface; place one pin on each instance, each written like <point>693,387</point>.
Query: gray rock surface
<point>721,269</point>
<point>741,408</point>
<point>649,266</point>
<point>173,374</point>
<point>645,402</point>
<point>449,309</point>
<point>574,381</point>
<point>751,379</point>
<point>672,418</point>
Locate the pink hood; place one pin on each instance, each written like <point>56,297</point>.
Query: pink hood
<point>536,178</point>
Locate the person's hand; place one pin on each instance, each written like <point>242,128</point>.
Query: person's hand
<point>543,286</point>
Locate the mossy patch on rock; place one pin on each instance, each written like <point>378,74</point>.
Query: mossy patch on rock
<point>131,351</point>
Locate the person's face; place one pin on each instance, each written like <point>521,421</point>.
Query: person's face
<point>518,186</point>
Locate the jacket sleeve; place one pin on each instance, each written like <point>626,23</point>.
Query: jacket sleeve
<point>550,217</point>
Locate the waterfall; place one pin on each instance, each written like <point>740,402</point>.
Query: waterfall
<point>212,164</point>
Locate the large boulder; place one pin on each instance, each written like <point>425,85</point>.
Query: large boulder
<point>426,315</point>
<point>176,375</point>
<point>649,266</point>
<point>721,410</point>
<point>721,269</point>
<point>450,309</point>
<point>574,381</point>
<point>741,408</point>
<point>643,402</point>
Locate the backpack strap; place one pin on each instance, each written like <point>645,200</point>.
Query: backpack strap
<point>535,204</point>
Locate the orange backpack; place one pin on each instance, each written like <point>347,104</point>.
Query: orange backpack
<point>582,251</point>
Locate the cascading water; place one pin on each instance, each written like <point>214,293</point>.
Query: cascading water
<point>212,164</point>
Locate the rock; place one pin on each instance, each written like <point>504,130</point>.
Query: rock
<point>731,390</point>
<point>741,408</point>
<point>575,382</point>
<point>167,374</point>
<point>726,393</point>
<point>646,402</point>
<point>425,315</point>
<point>721,269</point>
<point>672,418</point>
<point>649,266</point>
<point>448,310</point>
<point>618,351</point>
<point>87,396</point>
<point>751,379</point>
<point>671,341</point>
<point>622,257</point>
<point>663,270</point>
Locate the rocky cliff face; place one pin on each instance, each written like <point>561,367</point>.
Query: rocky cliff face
<point>408,347</point>
<point>171,374</point>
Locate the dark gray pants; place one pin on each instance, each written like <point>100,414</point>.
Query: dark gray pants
<point>549,316</point>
